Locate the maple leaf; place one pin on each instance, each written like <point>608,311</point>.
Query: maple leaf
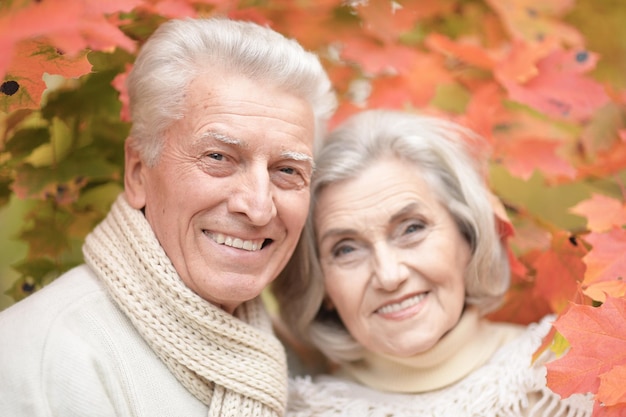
<point>468,53</point>
<point>525,155</point>
<point>416,87</point>
<point>376,58</point>
<point>602,212</point>
<point>119,83</point>
<point>611,389</point>
<point>606,263</point>
<point>83,24</point>
<point>386,20</point>
<point>603,130</point>
<point>559,271</point>
<point>34,58</point>
<point>533,20</point>
<point>554,84</point>
<point>520,304</point>
<point>484,112</point>
<point>596,359</point>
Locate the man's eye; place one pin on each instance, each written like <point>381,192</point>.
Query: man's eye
<point>216,156</point>
<point>288,170</point>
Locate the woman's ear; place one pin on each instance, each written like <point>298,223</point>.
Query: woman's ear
<point>134,181</point>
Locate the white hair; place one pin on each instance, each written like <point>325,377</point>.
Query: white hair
<point>180,50</point>
<point>441,151</point>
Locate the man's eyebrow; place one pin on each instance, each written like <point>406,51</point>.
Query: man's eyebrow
<point>229,140</point>
<point>299,156</point>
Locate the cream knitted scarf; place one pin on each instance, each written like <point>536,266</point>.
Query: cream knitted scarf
<point>234,365</point>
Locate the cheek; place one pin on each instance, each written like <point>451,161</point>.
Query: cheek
<point>293,209</point>
<point>344,293</point>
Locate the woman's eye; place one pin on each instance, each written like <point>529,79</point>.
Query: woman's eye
<point>342,250</point>
<point>414,227</point>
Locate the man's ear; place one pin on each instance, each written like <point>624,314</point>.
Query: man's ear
<point>134,182</point>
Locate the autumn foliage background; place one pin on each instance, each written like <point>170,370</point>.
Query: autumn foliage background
<point>544,81</point>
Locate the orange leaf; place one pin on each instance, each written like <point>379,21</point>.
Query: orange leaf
<point>468,53</point>
<point>558,87</point>
<point>33,59</point>
<point>559,271</point>
<point>606,264</point>
<point>375,58</point>
<point>417,87</point>
<point>386,20</point>
<point>525,155</point>
<point>484,110</point>
<point>611,391</point>
<point>520,304</point>
<point>533,20</point>
<point>81,24</point>
<point>602,212</point>
<point>597,336</point>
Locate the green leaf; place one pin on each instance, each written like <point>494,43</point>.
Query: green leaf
<point>22,288</point>
<point>559,344</point>
<point>24,141</point>
<point>36,268</point>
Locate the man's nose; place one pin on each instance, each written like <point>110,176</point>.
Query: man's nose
<point>253,196</point>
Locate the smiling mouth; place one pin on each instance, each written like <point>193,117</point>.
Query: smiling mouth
<point>235,242</point>
<point>394,307</point>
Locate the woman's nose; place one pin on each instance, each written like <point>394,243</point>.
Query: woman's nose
<point>389,270</point>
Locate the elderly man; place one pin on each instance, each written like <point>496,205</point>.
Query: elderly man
<point>164,318</point>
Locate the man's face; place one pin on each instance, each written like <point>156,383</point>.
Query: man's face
<point>229,194</point>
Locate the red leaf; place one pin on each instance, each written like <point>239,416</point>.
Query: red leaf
<point>33,59</point>
<point>416,87</point>
<point>525,155</point>
<point>559,272</point>
<point>375,58</point>
<point>597,336</point>
<point>533,20</point>
<point>468,53</point>
<point>606,264</point>
<point>82,24</point>
<point>611,391</point>
<point>386,20</point>
<point>603,213</point>
<point>555,84</point>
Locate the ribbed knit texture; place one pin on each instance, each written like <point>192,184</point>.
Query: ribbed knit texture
<point>234,365</point>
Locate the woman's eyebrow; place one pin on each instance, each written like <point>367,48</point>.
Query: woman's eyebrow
<point>409,208</point>
<point>336,232</point>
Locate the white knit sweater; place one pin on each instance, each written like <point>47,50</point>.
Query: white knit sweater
<point>67,351</point>
<point>506,385</point>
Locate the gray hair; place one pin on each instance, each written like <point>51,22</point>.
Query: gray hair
<point>179,50</point>
<point>445,155</point>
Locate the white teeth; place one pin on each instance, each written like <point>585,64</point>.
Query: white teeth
<point>235,242</point>
<point>392,308</point>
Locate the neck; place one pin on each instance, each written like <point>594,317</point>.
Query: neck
<point>468,346</point>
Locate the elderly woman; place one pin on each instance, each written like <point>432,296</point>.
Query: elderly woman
<point>399,263</point>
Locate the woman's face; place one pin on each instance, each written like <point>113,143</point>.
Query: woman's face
<point>393,259</point>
